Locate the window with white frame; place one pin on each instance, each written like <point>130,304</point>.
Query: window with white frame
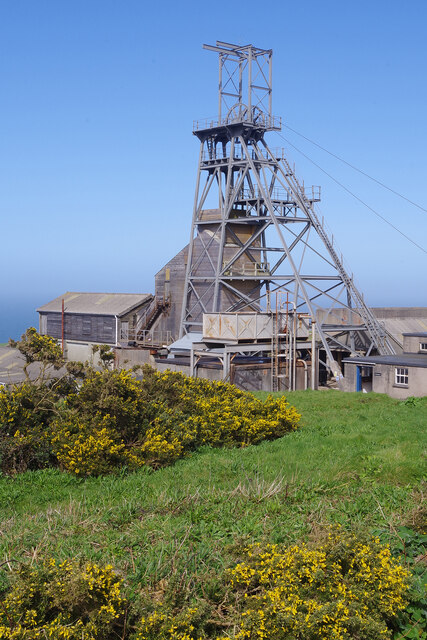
<point>401,376</point>
<point>423,346</point>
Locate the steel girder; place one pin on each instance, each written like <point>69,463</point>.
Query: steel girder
<point>255,231</point>
<point>248,247</point>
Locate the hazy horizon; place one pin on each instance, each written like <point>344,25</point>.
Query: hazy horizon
<point>19,314</point>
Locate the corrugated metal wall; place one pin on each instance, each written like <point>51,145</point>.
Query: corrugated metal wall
<point>177,267</point>
<point>82,327</point>
<point>170,321</point>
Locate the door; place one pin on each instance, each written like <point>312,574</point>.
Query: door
<point>358,378</point>
<point>124,331</point>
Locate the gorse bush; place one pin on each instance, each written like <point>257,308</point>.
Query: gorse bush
<point>64,600</point>
<point>112,419</point>
<point>345,589</point>
<point>161,624</point>
<point>116,394</point>
<point>25,410</point>
<point>412,545</point>
<point>43,350</point>
<point>214,413</point>
<point>115,419</point>
<point>87,448</point>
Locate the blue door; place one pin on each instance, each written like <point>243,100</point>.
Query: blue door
<point>358,378</point>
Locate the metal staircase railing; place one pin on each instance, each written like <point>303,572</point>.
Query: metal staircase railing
<point>156,307</point>
<point>376,333</point>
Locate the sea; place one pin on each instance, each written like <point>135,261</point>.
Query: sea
<point>16,315</point>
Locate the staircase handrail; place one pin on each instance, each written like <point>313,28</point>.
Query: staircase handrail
<point>378,336</point>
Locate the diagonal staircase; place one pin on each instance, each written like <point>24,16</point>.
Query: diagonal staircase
<point>157,306</point>
<point>374,329</point>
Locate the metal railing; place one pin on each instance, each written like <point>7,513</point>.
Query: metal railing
<point>218,154</point>
<point>276,193</point>
<point>312,194</point>
<point>156,306</point>
<point>261,120</point>
<point>247,269</point>
<point>146,337</point>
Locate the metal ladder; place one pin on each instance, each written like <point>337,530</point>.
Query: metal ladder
<point>280,348</point>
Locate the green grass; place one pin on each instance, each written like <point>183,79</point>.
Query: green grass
<point>358,460</point>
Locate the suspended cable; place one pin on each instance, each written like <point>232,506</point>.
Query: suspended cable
<point>396,193</point>
<point>365,204</point>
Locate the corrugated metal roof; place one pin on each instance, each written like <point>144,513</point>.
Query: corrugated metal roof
<point>103,304</point>
<point>400,320</point>
<point>419,334</point>
<point>184,343</point>
<point>398,326</point>
<point>404,360</point>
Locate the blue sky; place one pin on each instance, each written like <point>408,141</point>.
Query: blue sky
<point>98,161</point>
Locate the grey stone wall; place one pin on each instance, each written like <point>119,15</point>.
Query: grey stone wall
<point>385,383</point>
<point>411,344</point>
<point>348,382</point>
<point>126,358</point>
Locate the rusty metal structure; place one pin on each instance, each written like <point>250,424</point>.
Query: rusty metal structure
<point>255,231</point>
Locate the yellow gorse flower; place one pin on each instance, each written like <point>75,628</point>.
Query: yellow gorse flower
<point>341,590</point>
<point>39,601</point>
<point>174,414</point>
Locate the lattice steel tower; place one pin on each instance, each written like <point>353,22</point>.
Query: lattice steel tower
<point>254,230</point>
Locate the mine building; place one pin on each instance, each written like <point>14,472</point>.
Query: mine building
<point>261,295</point>
<point>400,376</point>
<point>80,320</point>
<point>259,255</point>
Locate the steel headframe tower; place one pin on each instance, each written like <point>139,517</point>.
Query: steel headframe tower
<point>254,230</point>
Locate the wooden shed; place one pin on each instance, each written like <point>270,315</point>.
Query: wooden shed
<point>84,319</point>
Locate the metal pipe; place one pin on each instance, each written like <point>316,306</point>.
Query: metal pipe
<point>293,345</point>
<point>62,327</point>
<point>305,372</point>
<point>192,361</point>
<point>313,354</point>
<point>220,57</point>
<point>250,84</point>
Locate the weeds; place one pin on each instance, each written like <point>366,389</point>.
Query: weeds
<point>258,489</point>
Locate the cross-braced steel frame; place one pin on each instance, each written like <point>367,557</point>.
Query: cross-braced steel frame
<point>255,230</point>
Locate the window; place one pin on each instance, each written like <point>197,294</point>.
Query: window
<point>87,325</point>
<point>401,376</point>
<point>107,329</point>
<point>423,346</point>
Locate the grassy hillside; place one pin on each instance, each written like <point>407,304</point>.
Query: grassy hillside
<point>358,460</point>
